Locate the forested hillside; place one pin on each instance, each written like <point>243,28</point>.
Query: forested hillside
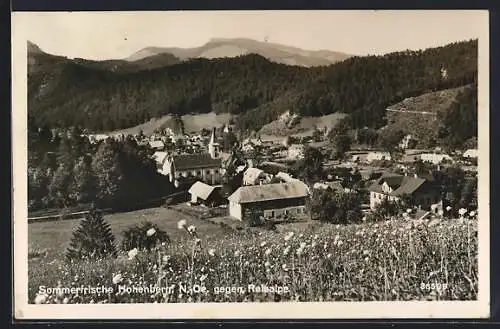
<point>66,93</point>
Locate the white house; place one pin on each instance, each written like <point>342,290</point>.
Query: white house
<point>470,153</point>
<point>435,158</point>
<point>269,200</point>
<point>157,145</point>
<point>378,156</point>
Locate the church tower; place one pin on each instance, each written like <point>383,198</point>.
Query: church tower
<point>213,146</point>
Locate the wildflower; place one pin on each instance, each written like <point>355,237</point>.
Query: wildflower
<point>151,232</point>
<point>181,225</point>
<point>329,256</point>
<point>286,250</point>
<point>472,213</point>
<point>246,263</point>
<point>408,211</point>
<point>117,278</point>
<point>41,298</point>
<point>237,253</point>
<point>65,300</point>
<point>268,251</point>
<point>267,264</point>
<point>284,267</point>
<point>300,251</point>
<point>301,235</point>
<point>339,243</point>
<point>263,244</point>
<point>448,208</point>
<point>462,211</point>
<point>132,253</point>
<point>163,244</point>
<point>211,252</point>
<point>166,258</point>
<point>203,277</point>
<point>289,236</point>
<point>191,229</point>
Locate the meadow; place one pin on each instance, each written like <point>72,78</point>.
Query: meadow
<point>305,261</point>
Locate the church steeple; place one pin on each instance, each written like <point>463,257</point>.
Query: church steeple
<point>213,146</point>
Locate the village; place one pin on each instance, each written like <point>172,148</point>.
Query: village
<point>266,188</point>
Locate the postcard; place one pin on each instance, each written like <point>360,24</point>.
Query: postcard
<point>251,164</point>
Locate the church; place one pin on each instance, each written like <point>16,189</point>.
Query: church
<point>205,167</point>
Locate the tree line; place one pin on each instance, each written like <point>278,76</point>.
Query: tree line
<point>68,171</point>
<point>65,93</point>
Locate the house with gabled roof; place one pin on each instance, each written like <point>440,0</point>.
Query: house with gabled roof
<point>205,167</point>
<point>209,195</point>
<point>269,200</point>
<point>393,187</point>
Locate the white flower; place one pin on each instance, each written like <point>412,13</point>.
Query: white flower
<point>286,250</point>
<point>166,258</point>
<point>203,277</point>
<point>472,213</point>
<point>267,264</point>
<point>263,244</point>
<point>237,253</point>
<point>65,300</point>
<point>462,211</point>
<point>284,267</point>
<point>329,256</point>
<point>117,278</point>
<point>151,232</point>
<point>300,251</point>
<point>448,208</point>
<point>181,225</point>
<point>211,252</point>
<point>191,229</point>
<point>289,236</point>
<point>41,298</point>
<point>408,211</point>
<point>268,251</point>
<point>339,243</point>
<point>302,245</point>
<point>132,253</point>
<point>301,235</point>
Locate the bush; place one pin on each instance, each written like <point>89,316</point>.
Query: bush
<point>143,236</point>
<point>93,238</point>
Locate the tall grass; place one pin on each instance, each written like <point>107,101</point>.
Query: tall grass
<point>393,260</point>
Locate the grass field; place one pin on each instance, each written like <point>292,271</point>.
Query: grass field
<point>391,260</point>
<point>192,123</point>
<point>303,128</point>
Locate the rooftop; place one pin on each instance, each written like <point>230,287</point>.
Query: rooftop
<point>268,192</point>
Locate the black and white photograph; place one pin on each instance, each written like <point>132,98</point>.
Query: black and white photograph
<point>275,164</point>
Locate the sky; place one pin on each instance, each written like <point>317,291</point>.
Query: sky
<point>115,35</point>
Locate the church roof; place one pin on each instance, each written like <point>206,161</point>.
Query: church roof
<point>195,161</point>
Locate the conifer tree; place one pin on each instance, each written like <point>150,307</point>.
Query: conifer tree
<point>93,238</point>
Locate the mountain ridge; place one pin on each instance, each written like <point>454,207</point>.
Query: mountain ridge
<point>226,47</point>
<point>65,93</point>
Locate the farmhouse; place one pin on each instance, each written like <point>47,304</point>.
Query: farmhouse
<point>205,194</point>
<point>269,201</point>
<point>378,156</point>
<point>393,187</point>
<point>435,158</point>
<point>254,176</point>
<point>156,145</point>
